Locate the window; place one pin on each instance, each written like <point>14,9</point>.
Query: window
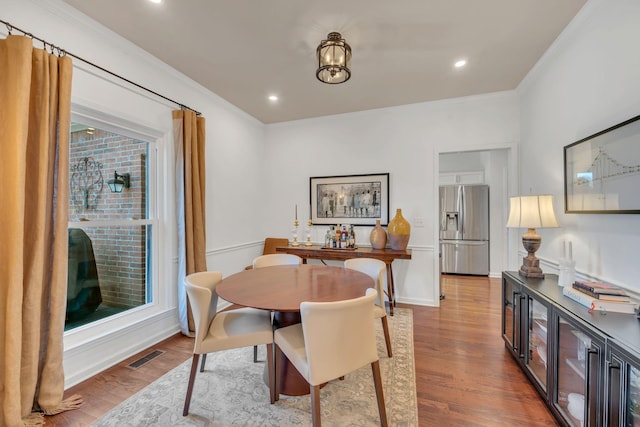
<point>110,234</point>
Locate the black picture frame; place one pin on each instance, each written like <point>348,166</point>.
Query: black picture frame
<point>349,199</point>
<point>602,171</point>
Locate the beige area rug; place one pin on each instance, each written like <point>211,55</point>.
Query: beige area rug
<point>231,391</point>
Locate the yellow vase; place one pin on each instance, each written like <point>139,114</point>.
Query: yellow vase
<point>398,232</point>
<point>378,236</point>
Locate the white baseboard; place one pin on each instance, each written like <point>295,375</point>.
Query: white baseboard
<point>417,301</point>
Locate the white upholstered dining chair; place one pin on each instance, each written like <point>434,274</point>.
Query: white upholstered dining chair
<point>217,331</point>
<point>334,338</point>
<point>270,260</point>
<point>377,270</point>
<point>270,245</point>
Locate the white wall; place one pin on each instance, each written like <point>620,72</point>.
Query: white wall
<point>404,141</point>
<point>586,82</point>
<point>234,155</point>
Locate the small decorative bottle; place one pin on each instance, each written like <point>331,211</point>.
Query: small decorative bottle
<point>333,237</point>
<point>352,237</point>
<point>343,238</point>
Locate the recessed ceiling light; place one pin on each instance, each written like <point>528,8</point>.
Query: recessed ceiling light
<point>273,98</point>
<point>156,1</point>
<point>460,63</point>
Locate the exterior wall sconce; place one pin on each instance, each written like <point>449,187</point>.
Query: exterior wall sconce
<point>119,182</point>
<point>334,60</point>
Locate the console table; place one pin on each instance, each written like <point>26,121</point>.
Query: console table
<point>330,254</point>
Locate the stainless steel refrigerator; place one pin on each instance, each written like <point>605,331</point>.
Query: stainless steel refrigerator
<point>464,229</point>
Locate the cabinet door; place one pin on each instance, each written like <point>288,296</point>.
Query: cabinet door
<point>579,358</point>
<point>448,178</point>
<point>511,319</point>
<point>471,177</point>
<point>537,341</point>
<point>632,395</point>
<point>623,388</point>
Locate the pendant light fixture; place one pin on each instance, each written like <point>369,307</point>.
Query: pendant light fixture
<point>334,59</point>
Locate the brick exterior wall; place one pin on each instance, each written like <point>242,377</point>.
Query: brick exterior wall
<point>120,251</point>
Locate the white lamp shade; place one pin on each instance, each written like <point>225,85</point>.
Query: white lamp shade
<point>532,212</point>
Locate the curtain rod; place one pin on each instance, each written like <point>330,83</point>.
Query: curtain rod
<point>62,52</point>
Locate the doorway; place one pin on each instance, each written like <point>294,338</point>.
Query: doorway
<point>493,167</point>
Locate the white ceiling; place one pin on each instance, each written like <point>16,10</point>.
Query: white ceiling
<point>403,50</point>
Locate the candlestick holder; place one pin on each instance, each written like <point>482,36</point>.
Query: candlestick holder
<point>308,233</point>
<point>567,272</point>
<point>566,266</point>
<point>294,232</point>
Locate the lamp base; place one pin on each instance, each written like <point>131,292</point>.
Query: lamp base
<point>531,267</point>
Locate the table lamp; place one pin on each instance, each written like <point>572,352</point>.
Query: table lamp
<point>531,212</point>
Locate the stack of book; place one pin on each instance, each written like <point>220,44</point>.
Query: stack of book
<point>600,296</point>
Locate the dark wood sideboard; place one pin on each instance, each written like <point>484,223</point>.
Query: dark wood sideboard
<point>585,364</point>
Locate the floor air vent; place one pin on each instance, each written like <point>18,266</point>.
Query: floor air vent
<point>145,359</point>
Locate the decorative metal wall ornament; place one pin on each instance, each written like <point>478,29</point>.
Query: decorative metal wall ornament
<point>86,183</point>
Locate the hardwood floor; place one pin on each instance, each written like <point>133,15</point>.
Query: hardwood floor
<point>464,375</point>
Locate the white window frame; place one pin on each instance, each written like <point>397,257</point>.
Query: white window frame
<point>159,289</point>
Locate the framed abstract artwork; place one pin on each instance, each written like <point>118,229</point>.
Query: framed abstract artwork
<point>349,199</point>
<point>602,171</point>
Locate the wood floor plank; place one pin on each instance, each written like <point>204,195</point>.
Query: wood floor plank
<point>464,375</point>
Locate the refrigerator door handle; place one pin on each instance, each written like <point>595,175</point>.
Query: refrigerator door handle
<point>462,209</point>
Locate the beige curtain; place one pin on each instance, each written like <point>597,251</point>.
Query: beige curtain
<point>189,142</point>
<point>35,91</point>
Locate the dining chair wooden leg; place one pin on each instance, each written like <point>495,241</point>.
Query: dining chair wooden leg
<point>192,377</point>
<point>315,406</point>
<point>377,379</point>
<point>255,353</point>
<point>387,337</point>
<point>204,360</point>
<point>276,371</point>
<point>272,374</point>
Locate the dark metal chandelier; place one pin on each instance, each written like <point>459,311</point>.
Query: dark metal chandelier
<point>334,59</point>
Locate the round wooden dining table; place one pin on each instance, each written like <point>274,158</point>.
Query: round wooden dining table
<point>281,289</point>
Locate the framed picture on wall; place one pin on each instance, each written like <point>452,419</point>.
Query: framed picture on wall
<point>349,199</point>
<point>602,171</point>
